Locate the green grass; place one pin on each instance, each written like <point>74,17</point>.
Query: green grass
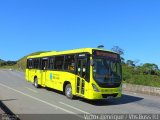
<point>147,80</point>
<point>137,77</point>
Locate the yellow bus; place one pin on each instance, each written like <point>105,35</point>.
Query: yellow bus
<point>90,73</point>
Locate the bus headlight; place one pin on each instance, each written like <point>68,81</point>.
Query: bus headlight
<point>95,88</point>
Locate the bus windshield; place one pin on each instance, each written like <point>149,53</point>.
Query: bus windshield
<point>106,71</point>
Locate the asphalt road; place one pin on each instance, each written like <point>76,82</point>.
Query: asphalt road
<point>21,97</point>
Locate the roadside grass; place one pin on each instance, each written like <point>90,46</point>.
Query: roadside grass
<point>147,80</point>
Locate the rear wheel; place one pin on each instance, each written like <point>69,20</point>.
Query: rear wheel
<point>36,83</point>
<point>68,91</point>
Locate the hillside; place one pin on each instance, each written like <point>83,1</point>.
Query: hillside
<point>17,65</point>
<point>4,63</point>
<point>141,75</point>
<point>21,63</point>
<point>2,60</point>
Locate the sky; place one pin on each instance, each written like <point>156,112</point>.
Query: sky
<point>28,26</point>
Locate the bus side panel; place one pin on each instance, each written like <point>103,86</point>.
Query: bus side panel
<point>56,80</point>
<point>38,75</point>
<point>26,75</point>
<point>49,82</point>
<point>68,77</point>
<point>59,78</point>
<point>31,75</point>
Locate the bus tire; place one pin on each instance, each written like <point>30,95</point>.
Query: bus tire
<point>68,91</point>
<point>36,83</point>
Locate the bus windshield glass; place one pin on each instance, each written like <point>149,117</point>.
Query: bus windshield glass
<point>106,68</point>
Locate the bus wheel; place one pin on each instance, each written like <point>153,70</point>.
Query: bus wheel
<point>68,91</point>
<point>36,82</point>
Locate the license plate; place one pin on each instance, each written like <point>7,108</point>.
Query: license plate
<point>110,97</point>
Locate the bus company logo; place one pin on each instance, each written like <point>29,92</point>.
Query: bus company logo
<point>51,76</point>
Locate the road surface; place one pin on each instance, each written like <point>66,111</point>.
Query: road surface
<point>21,97</point>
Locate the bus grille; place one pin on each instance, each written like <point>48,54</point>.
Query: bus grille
<point>107,95</point>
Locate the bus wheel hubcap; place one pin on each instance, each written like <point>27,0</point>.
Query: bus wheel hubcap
<point>69,91</point>
<point>35,83</point>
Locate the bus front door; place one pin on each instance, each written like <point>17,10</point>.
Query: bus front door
<point>81,76</point>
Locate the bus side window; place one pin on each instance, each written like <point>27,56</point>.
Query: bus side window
<point>69,63</point>
<point>29,63</point>
<point>51,63</point>
<point>59,60</point>
<point>44,64</point>
<point>36,63</point>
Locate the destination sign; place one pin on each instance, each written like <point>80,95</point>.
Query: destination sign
<point>106,54</point>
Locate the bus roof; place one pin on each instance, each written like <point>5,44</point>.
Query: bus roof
<point>80,50</point>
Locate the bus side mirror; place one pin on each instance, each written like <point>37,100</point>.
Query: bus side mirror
<point>92,62</point>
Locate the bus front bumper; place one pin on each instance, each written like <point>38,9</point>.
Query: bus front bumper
<point>105,93</point>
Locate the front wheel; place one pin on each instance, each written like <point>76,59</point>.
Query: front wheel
<point>68,91</point>
<point>36,83</point>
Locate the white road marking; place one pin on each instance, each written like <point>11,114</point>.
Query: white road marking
<point>31,89</point>
<point>52,105</point>
<point>74,108</point>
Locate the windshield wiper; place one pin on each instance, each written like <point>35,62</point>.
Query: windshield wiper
<point>111,72</point>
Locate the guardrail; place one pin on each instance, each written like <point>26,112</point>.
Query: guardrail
<point>142,89</point>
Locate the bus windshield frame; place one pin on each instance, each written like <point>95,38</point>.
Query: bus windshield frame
<point>107,70</point>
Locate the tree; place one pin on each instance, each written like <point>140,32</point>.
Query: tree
<point>100,46</point>
<point>122,60</point>
<point>118,50</point>
<point>151,69</point>
<point>136,62</point>
<point>130,63</point>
